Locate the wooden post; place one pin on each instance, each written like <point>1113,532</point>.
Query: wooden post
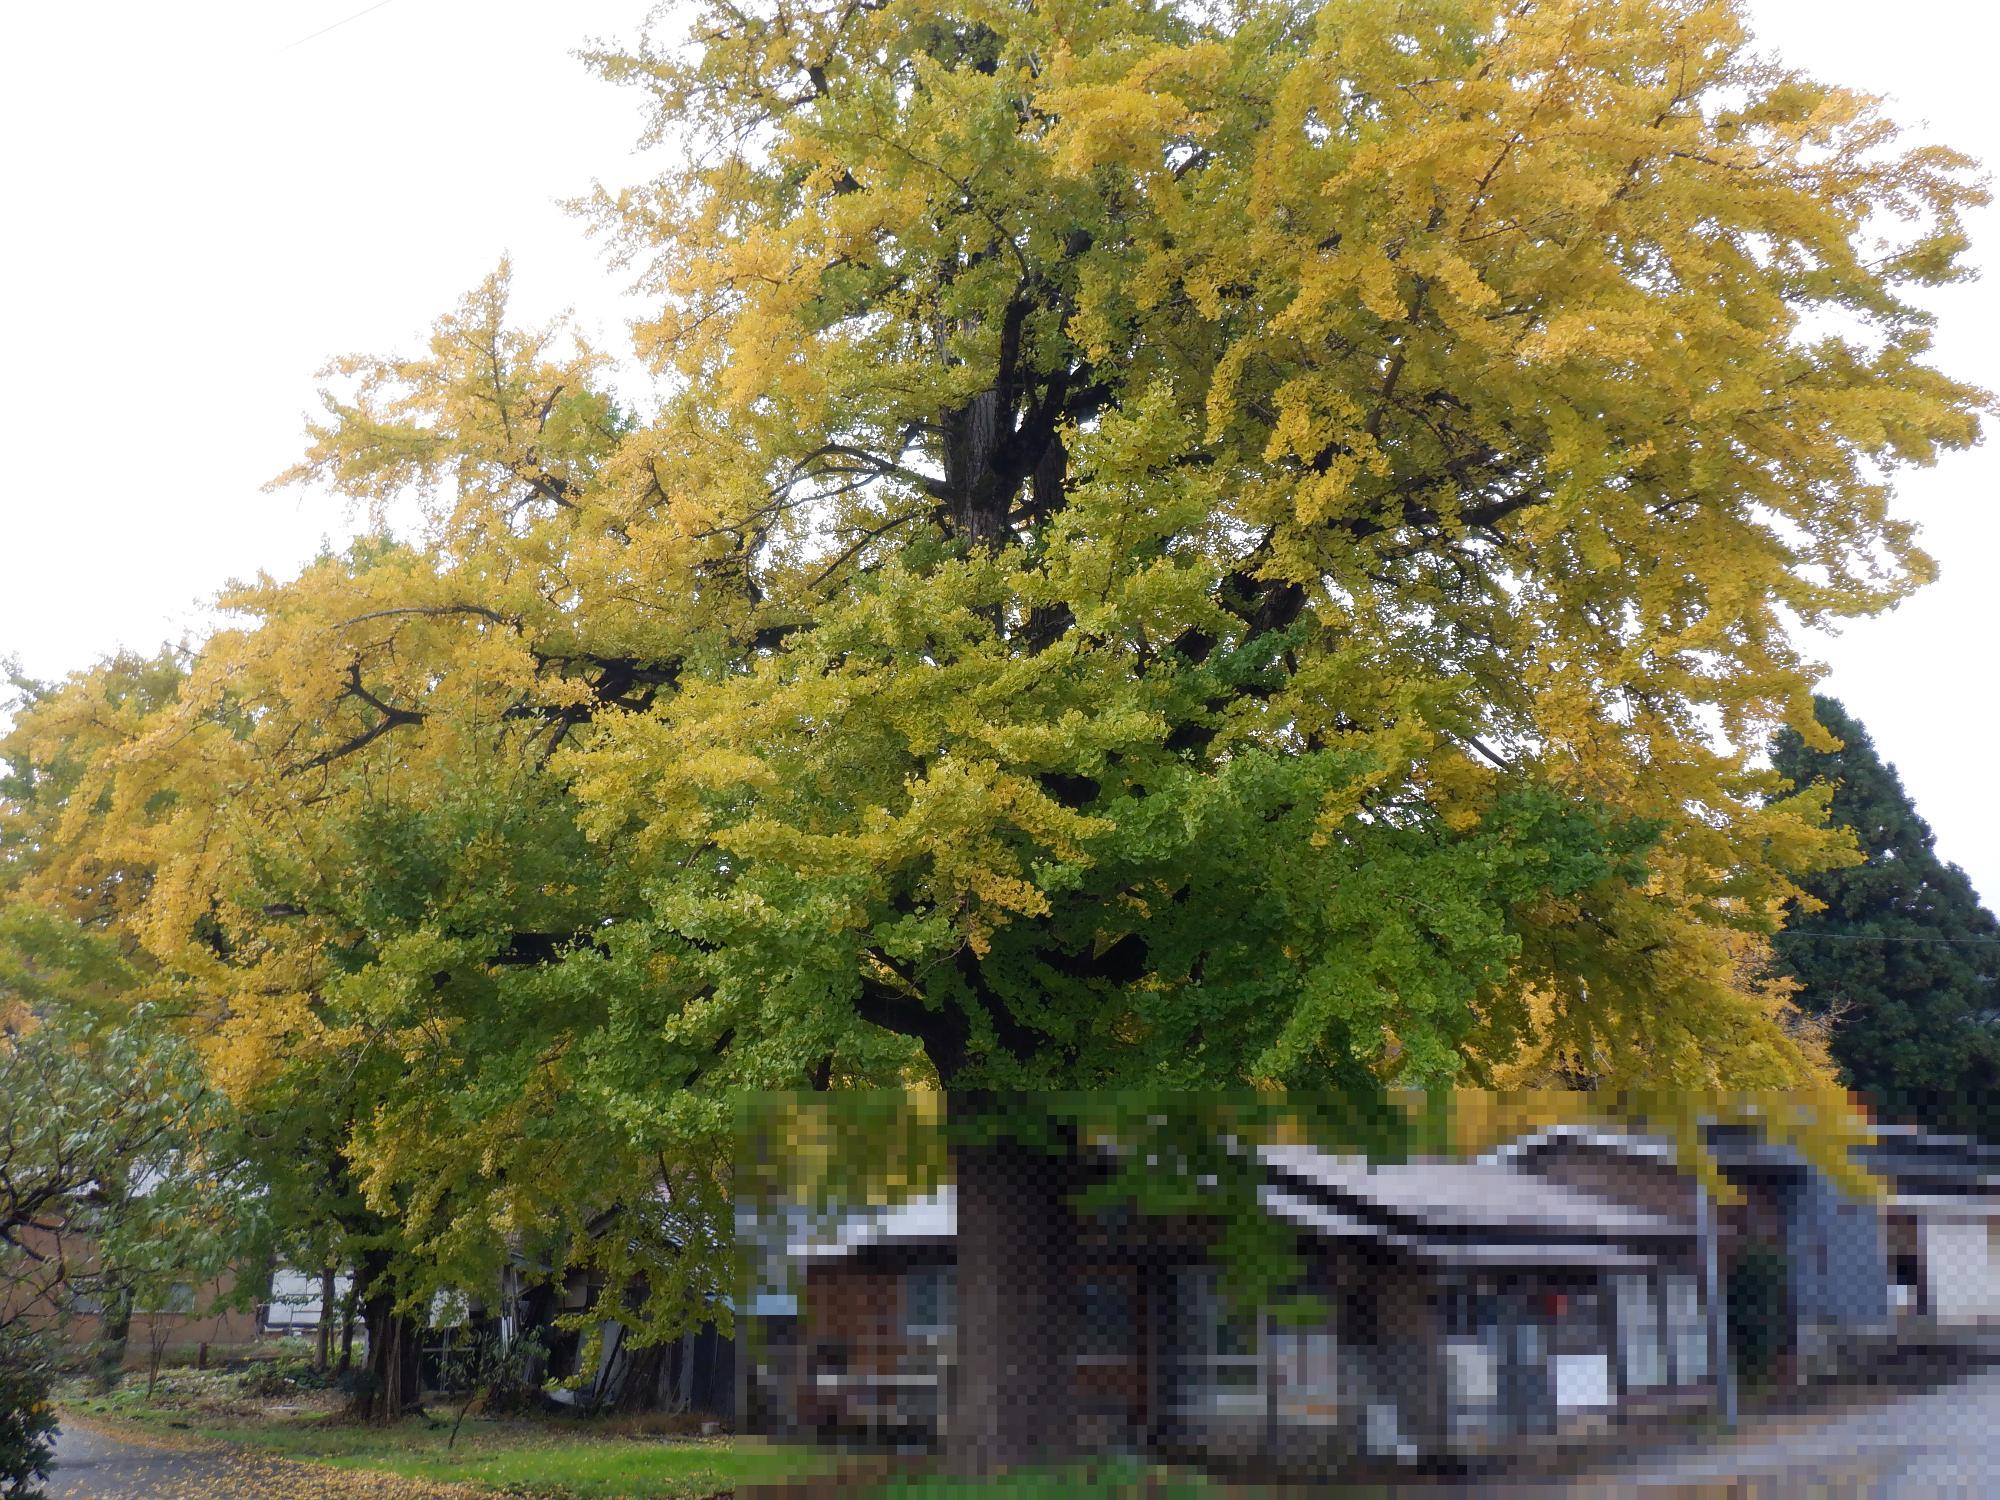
<point>1152,1342</point>
<point>1266,1334</point>
<point>1718,1314</point>
<point>739,1372</point>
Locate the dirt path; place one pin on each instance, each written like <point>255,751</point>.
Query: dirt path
<point>97,1462</point>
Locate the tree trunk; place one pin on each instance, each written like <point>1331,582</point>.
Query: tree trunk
<point>684,1390</point>
<point>158,1331</point>
<point>109,1354</point>
<point>392,1374</point>
<point>348,1307</point>
<point>323,1353</point>
<point>391,1386</point>
<point>1014,1402</point>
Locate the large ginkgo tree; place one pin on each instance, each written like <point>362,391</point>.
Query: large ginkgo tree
<point>1272,520</point>
<point>1173,547</point>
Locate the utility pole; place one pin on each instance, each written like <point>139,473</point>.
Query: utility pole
<point>1718,1314</point>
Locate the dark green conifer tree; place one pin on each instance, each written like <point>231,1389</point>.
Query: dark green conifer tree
<point>1904,959</point>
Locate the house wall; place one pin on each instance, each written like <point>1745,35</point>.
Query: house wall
<point>176,1335</point>
<point>859,1367</point>
<point>1761,1213</point>
<point>1839,1258</point>
<point>197,1317</point>
<point>1960,1268</point>
<point>854,1306</point>
<point>858,1356</point>
<point>1835,1246</point>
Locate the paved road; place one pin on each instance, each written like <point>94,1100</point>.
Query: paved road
<point>1944,1442</point>
<point>94,1463</point>
<point>91,1465</point>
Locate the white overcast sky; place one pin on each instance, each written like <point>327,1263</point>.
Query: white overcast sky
<point>198,207</point>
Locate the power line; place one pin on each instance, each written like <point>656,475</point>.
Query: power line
<point>1866,937</point>
<point>334,27</point>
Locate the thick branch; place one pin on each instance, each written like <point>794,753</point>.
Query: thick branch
<point>392,718</point>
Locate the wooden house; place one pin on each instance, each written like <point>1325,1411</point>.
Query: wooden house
<point>1455,1308</point>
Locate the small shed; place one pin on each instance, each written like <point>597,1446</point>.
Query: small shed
<point>1942,1223</point>
<point>1831,1247</point>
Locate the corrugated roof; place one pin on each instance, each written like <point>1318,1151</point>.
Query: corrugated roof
<point>1463,1212</point>
<point>1903,1153</point>
<point>1476,1195</point>
<point>932,1219</point>
<point>1332,1224</point>
<point>1649,1147</point>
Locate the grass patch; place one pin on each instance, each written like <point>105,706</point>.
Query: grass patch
<point>573,1458</point>
<point>553,1462</point>
<point>528,1458</point>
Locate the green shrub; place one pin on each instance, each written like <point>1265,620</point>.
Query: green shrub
<point>27,1418</point>
<point>284,1376</point>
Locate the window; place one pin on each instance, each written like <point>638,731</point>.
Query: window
<point>1306,1363</point>
<point>1575,1313</point>
<point>1107,1326</point>
<point>1218,1369</point>
<point>1687,1328</point>
<point>1471,1312</point>
<point>930,1303</point>
<point>1640,1347</point>
<point>1473,1353</point>
<point>178,1299</point>
<point>1905,1294</point>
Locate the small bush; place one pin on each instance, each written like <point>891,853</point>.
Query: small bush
<point>285,1376</point>
<point>27,1418</point>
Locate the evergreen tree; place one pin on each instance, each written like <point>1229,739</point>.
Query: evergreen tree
<point>1903,960</point>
